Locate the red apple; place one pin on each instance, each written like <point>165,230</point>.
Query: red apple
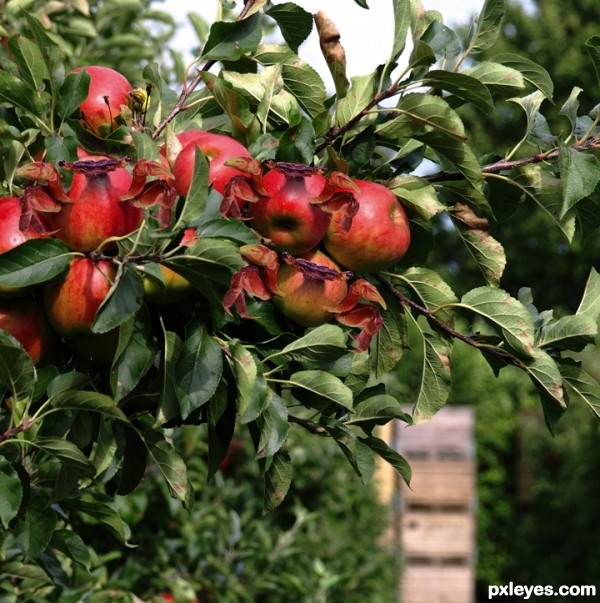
<point>305,299</point>
<point>108,91</point>
<point>11,236</point>
<point>72,304</point>
<point>217,148</point>
<point>379,235</point>
<point>96,211</point>
<point>26,321</point>
<point>287,216</point>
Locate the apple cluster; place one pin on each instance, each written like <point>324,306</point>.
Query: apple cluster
<point>318,230</point>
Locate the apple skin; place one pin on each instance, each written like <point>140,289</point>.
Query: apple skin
<point>98,115</point>
<point>96,212</point>
<point>305,300</point>
<point>11,236</point>
<point>217,148</point>
<point>71,306</point>
<point>287,217</point>
<point>26,321</point>
<point>379,235</point>
<point>176,288</point>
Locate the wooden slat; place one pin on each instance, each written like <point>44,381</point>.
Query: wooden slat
<point>449,434</point>
<point>438,535</point>
<point>441,483</point>
<point>437,584</point>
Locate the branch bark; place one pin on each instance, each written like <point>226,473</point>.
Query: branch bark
<point>491,351</point>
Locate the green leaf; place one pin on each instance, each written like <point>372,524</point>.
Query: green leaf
<point>102,513</point>
<point>570,108</point>
<point>319,346</point>
<point>320,390</point>
<point>297,143</point>
<point>34,262</point>
<point>244,123</point>
<point>592,45</point>
<point>501,79</point>
<point>376,410</point>
<point>72,93</point>
<point>231,41</point>
<point>388,454</point>
<point>294,23</point>
<point>33,533</point>
<point>402,20</point>
<point>431,291</point>
<point>435,376</point>
<point>485,250</point>
<point>89,401</point>
<point>488,25</point>
<point>196,199</point>
<point>572,332</point>
<point>12,492</point>
<point>418,194</point>
<point>508,314</point>
<point>199,368</point>
<point>581,385</point>
<point>304,83</point>
<point>135,359</point>
<point>419,114</point>
<point>231,230</point>
<point>17,371</point>
<point>122,302</point>
<point>543,187</point>
<point>361,94</point>
<point>69,543</point>
<point>532,72</point>
<point>580,174</point>
<point>545,375</point>
<point>250,383</point>
<point>392,339</point>
<point>28,56</point>
<point>16,92</point>
<point>358,454</point>
<point>273,425</point>
<point>278,478</point>
<point>67,453</point>
<point>169,406</point>
<point>208,258</point>
<point>462,86</point>
<point>221,418</point>
<point>590,301</point>
<point>170,465</point>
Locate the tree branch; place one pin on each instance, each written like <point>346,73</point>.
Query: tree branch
<point>492,351</point>
<point>189,88</point>
<point>503,165</point>
<point>308,425</point>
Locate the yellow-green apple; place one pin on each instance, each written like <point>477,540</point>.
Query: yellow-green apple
<point>303,296</point>
<point>72,304</point>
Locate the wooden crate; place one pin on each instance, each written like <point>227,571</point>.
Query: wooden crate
<point>449,484</point>
<point>437,535</point>
<point>437,583</point>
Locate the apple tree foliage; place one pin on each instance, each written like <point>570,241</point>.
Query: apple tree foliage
<point>74,433</point>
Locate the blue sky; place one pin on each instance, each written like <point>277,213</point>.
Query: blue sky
<point>365,34</point>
